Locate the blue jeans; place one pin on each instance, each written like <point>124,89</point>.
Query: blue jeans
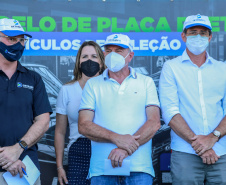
<point>135,178</point>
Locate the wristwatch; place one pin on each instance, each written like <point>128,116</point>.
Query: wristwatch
<point>217,134</point>
<point>23,145</point>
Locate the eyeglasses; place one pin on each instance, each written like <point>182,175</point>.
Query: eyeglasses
<point>201,33</point>
<point>14,40</point>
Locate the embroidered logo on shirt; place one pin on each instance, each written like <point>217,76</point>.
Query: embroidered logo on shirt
<point>19,85</point>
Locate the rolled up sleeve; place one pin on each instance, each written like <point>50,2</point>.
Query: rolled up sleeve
<point>168,93</point>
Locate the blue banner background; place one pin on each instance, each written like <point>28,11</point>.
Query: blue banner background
<point>67,43</point>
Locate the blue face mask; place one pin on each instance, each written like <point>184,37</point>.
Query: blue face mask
<point>197,44</point>
<point>12,53</point>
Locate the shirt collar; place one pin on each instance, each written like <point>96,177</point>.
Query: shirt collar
<point>105,74</point>
<point>185,57</point>
<point>20,67</point>
<point>132,73</point>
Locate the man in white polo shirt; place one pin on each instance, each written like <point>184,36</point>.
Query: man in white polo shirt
<point>193,101</point>
<point>119,112</point>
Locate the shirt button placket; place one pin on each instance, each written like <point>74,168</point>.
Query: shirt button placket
<point>202,102</point>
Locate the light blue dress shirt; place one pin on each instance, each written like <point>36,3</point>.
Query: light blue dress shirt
<point>198,94</point>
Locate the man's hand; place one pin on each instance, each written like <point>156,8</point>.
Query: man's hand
<point>209,157</point>
<point>16,167</point>
<point>62,178</point>
<point>202,143</point>
<point>9,155</point>
<point>127,142</point>
<point>116,156</point>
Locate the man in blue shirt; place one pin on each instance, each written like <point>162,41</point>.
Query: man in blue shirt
<point>193,101</point>
<point>24,105</point>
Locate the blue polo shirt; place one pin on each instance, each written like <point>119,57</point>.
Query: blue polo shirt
<point>22,98</point>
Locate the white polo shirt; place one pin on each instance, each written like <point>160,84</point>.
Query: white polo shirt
<point>121,109</point>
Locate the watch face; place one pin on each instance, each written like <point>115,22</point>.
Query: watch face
<point>23,143</point>
<point>217,133</point>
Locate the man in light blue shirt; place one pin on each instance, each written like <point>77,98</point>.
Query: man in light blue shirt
<point>193,102</point>
<point>119,112</point>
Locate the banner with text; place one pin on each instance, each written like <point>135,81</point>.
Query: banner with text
<point>67,44</point>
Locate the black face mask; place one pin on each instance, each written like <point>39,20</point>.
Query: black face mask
<point>90,68</point>
<point>12,53</point>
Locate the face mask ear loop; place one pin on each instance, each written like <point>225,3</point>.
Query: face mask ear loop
<point>127,55</point>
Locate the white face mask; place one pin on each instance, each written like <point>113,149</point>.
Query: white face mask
<point>115,62</point>
<point>197,44</point>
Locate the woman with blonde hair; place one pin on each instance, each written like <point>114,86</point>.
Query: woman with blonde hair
<point>89,63</point>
